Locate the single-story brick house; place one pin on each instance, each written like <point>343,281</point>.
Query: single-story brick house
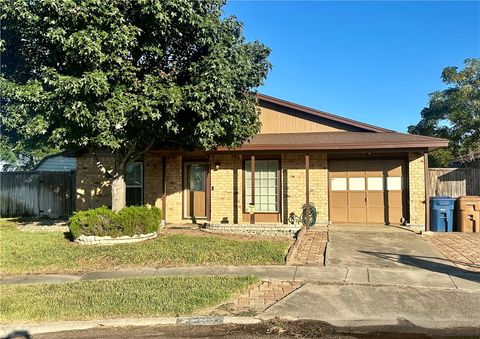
<point>351,171</point>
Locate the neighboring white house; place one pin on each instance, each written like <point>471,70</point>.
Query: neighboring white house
<point>60,162</point>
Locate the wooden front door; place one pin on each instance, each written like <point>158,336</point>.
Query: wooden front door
<point>195,175</point>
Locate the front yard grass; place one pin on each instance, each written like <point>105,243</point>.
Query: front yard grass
<point>50,252</point>
<point>133,297</point>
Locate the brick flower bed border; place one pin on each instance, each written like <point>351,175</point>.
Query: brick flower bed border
<point>107,240</point>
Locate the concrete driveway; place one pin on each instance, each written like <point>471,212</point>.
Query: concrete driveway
<point>391,276</point>
<point>399,306</point>
<point>376,246</point>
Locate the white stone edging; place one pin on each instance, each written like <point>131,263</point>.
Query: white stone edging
<point>254,229</point>
<point>108,240</point>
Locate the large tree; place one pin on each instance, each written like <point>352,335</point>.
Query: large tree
<point>454,113</point>
<point>125,76</point>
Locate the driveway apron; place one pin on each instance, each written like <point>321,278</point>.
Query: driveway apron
<point>377,246</point>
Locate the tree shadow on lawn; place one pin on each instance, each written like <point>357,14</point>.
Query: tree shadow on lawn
<point>39,221</point>
<point>432,264</point>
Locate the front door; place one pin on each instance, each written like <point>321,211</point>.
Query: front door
<point>195,190</point>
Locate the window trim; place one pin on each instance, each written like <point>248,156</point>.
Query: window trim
<point>279,183</point>
<point>142,186</point>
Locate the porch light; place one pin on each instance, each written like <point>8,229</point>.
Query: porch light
<point>217,166</point>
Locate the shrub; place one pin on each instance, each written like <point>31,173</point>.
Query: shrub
<point>139,219</point>
<point>104,222</point>
<point>99,221</point>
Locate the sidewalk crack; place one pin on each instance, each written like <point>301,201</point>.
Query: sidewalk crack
<point>286,295</point>
<point>453,282</point>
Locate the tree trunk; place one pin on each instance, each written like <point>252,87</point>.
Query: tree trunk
<point>118,193</point>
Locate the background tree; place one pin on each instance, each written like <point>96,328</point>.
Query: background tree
<point>125,76</point>
<point>454,113</point>
<point>23,154</point>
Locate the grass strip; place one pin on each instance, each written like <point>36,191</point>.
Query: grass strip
<point>132,297</point>
<point>50,252</point>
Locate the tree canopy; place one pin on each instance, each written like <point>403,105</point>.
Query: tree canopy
<point>125,76</point>
<point>454,113</point>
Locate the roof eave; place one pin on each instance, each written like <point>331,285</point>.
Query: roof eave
<point>333,147</point>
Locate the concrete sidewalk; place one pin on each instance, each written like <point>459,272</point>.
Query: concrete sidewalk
<point>455,279</point>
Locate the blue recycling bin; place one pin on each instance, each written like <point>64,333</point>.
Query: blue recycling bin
<point>441,214</point>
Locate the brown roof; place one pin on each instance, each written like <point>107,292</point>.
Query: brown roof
<point>322,114</point>
<point>339,141</point>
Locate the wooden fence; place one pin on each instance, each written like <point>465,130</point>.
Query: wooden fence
<point>37,193</point>
<point>454,182</point>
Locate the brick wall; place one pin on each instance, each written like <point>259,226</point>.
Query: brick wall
<point>416,180</point>
<point>174,190</point>
<point>226,198</point>
<point>227,181</point>
<point>293,180</point>
<point>152,176</point>
<point>93,189</point>
<point>319,185</point>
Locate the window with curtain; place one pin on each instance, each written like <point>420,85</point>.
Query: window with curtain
<point>266,185</point>
<point>134,184</point>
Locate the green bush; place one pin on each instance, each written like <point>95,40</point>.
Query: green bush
<point>139,220</point>
<point>99,221</point>
<point>104,222</point>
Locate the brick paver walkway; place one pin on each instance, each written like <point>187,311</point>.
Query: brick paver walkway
<point>463,249</point>
<point>258,298</point>
<point>311,249</point>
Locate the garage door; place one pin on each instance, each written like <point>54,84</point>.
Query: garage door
<point>367,191</point>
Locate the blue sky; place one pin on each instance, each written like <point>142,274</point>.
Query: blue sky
<point>371,61</point>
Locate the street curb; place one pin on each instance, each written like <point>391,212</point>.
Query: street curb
<point>419,325</point>
<point>39,328</point>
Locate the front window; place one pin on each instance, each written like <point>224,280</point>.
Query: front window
<point>266,185</point>
<point>134,183</point>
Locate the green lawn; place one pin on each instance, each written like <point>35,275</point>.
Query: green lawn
<point>50,252</point>
<point>134,297</point>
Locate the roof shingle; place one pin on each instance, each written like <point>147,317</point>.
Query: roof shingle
<point>339,141</point>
